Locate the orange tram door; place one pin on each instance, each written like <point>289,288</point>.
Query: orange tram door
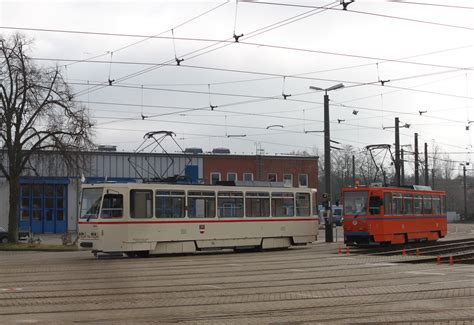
<point>393,215</point>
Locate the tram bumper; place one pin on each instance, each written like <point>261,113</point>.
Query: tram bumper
<point>88,244</point>
<point>352,238</point>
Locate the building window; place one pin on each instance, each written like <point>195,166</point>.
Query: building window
<point>232,177</point>
<point>215,177</point>
<point>248,177</point>
<point>288,180</point>
<point>303,180</point>
<point>272,177</point>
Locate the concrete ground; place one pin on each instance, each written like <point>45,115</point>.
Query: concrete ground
<point>304,285</point>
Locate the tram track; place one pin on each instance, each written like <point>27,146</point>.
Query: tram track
<point>338,273</point>
<point>455,251</point>
<point>198,292</point>
<point>267,309</point>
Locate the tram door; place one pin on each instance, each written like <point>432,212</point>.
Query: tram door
<point>43,208</point>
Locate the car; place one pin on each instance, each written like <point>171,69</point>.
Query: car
<point>337,215</point>
<point>4,235</point>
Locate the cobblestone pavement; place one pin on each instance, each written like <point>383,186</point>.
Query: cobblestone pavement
<point>306,285</point>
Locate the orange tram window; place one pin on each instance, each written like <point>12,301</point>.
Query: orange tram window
<point>393,215</point>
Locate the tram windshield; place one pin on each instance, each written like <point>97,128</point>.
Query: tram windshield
<point>355,203</point>
<point>90,205</point>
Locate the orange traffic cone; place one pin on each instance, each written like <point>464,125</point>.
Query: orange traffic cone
<point>339,251</point>
<point>417,252</point>
<point>438,259</point>
<point>451,260</point>
<point>347,251</point>
<point>404,252</point>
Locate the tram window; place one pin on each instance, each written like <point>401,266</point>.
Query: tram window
<point>407,204</point>
<point>141,204</point>
<point>230,204</point>
<point>169,204</point>
<point>355,203</point>
<point>90,205</point>
<point>436,205</point>
<point>427,207</point>
<point>283,205</point>
<point>387,203</point>
<point>374,205</point>
<point>396,203</point>
<point>302,205</point>
<point>257,204</point>
<point>112,206</point>
<point>201,204</point>
<point>417,204</point>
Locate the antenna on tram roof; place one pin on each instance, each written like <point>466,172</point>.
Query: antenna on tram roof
<point>154,140</point>
<point>378,153</point>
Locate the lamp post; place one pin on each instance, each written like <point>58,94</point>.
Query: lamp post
<point>327,159</point>
<point>465,188</point>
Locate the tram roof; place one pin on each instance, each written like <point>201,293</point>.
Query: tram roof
<point>394,187</point>
<point>221,185</point>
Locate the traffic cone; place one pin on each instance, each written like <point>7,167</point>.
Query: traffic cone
<point>438,259</point>
<point>404,252</point>
<point>347,251</point>
<point>339,251</point>
<point>451,260</point>
<point>417,252</point>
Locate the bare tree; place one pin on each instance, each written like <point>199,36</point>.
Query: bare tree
<point>37,113</point>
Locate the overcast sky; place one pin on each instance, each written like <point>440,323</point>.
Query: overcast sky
<point>425,53</point>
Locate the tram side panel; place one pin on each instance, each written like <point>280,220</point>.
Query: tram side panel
<point>116,231</point>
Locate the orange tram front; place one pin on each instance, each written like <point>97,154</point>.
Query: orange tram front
<point>393,215</point>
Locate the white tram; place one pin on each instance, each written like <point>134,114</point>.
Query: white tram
<point>155,218</point>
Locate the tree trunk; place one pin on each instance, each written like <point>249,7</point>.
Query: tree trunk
<point>13,209</point>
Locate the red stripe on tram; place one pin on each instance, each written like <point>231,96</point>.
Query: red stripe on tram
<point>193,221</point>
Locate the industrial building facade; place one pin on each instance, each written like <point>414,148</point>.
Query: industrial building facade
<point>50,195</point>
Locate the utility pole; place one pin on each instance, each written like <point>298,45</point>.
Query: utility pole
<point>327,169</point>
<point>327,147</point>
<point>402,167</point>
<point>433,178</point>
<point>353,170</point>
<point>417,176</point>
<point>327,196</point>
<point>465,189</point>
<point>427,173</point>
<point>397,151</point>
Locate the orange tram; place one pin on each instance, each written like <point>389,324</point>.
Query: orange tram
<point>393,215</point>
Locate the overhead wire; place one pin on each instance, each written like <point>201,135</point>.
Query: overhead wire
<point>431,4</point>
<point>366,13</point>
<point>251,34</point>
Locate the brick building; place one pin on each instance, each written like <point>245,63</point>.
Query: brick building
<point>293,171</point>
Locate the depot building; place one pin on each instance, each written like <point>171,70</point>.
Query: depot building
<point>50,194</point>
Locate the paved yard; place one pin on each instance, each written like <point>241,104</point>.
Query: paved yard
<point>303,285</point>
